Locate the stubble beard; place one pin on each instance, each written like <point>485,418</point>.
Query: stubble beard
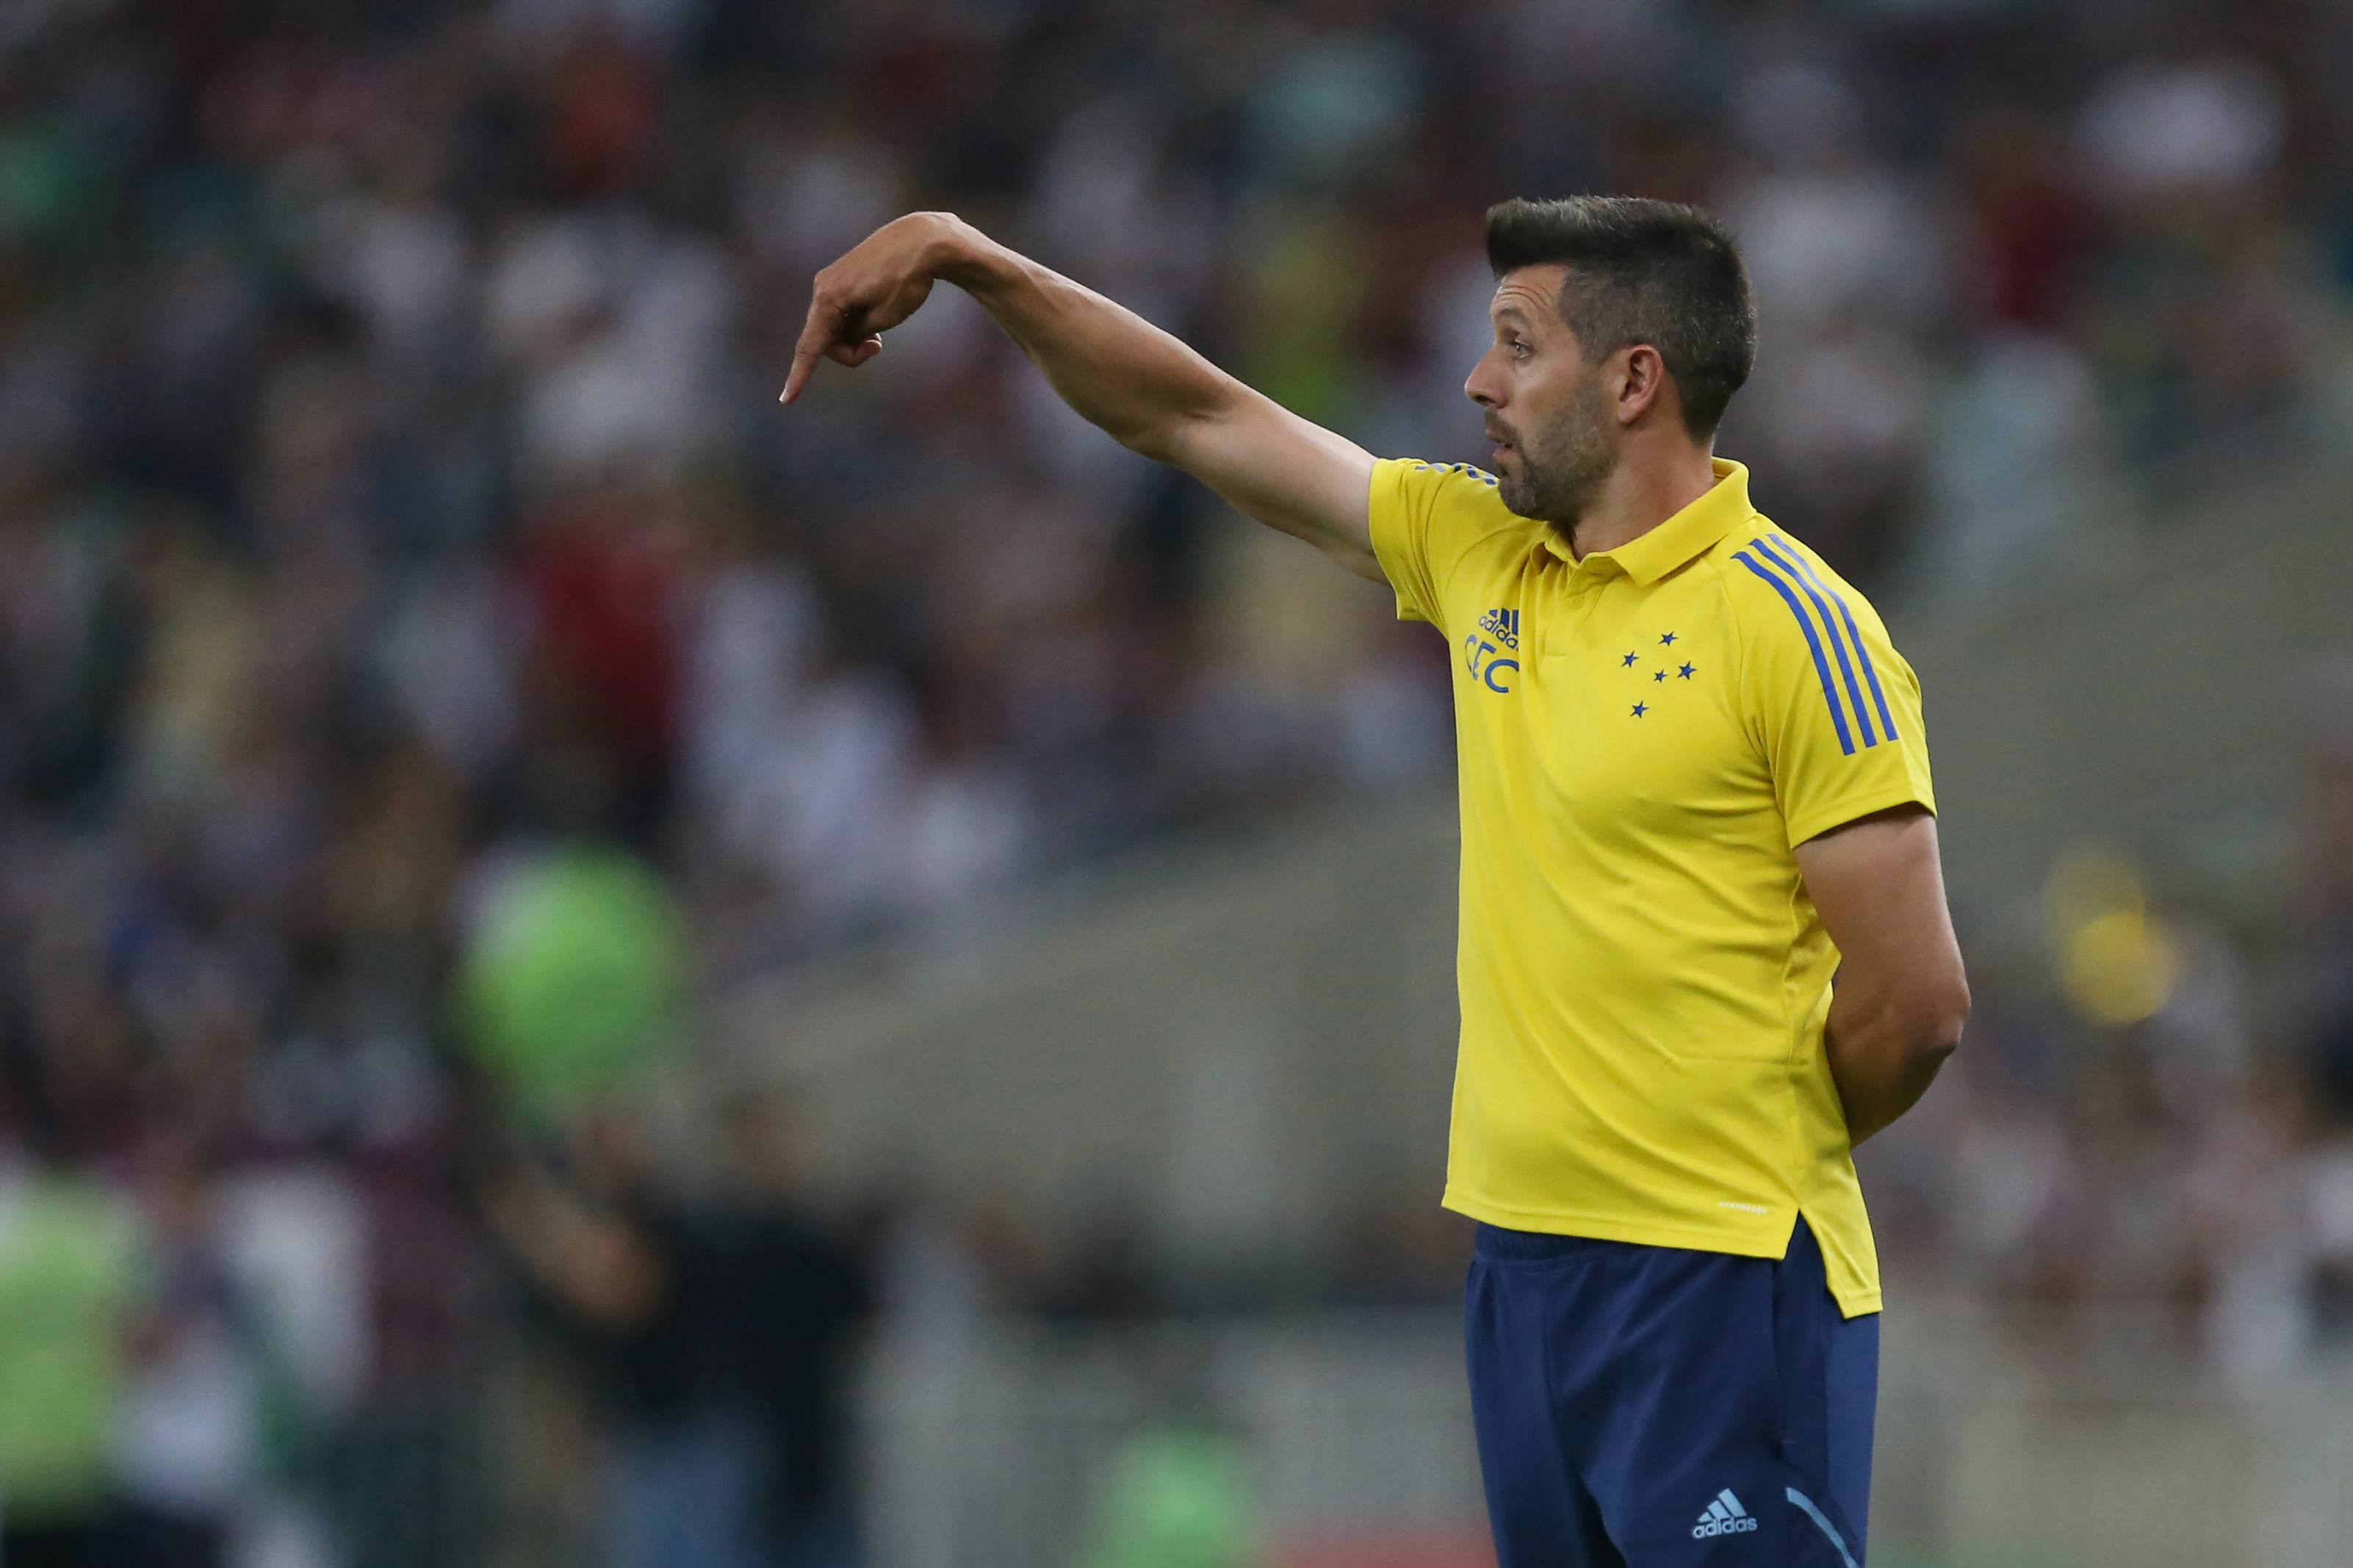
<point>1563,468</point>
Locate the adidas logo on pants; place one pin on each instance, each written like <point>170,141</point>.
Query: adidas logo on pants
<point>1725,1516</point>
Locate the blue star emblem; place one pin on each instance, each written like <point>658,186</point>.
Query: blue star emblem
<point>1628,660</point>
<point>1685,673</point>
<point>1668,641</point>
<point>1657,675</point>
<point>1640,708</point>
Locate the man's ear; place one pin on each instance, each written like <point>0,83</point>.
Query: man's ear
<point>1640,382</point>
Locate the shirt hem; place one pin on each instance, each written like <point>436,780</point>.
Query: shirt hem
<point>1862,805</point>
<point>1852,1303</point>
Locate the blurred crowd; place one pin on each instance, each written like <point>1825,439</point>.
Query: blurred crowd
<point>392,488</point>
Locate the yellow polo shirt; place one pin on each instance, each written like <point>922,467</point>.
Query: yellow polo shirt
<point>1643,736</point>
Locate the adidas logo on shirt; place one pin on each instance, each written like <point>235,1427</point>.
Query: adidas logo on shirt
<point>1725,1516</point>
<point>1503,626</point>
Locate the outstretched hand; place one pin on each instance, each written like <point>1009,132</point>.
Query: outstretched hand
<point>875,287</point>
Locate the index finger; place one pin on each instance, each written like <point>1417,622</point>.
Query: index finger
<point>817,332</point>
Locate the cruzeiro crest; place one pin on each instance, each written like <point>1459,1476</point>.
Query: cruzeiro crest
<point>1483,650</point>
<point>1658,669</point>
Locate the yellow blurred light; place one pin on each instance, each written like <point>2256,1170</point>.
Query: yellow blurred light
<point>2120,968</point>
<point>2117,963</point>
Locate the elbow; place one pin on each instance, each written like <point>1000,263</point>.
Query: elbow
<point>1159,434</point>
<point>1936,1026</point>
<point>1161,440</point>
<point>1172,434</point>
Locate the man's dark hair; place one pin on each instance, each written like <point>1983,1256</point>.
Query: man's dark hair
<point>1641,271</point>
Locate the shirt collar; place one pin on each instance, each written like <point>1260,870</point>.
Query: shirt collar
<point>1647,557</point>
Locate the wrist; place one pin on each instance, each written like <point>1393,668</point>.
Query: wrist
<point>955,252</point>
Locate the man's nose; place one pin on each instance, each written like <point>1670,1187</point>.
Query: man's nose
<point>1475,388</point>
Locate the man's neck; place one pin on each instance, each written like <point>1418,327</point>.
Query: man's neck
<point>1643,491</point>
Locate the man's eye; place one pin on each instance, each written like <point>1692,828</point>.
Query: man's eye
<point>1519,348</point>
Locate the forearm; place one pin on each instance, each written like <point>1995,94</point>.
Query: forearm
<point>1147,390</point>
<point>1882,1059</point>
<point>1142,386</point>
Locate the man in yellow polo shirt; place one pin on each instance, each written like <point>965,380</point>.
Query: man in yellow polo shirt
<point>1695,787</point>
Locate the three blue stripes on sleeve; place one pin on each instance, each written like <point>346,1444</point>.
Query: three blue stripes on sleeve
<point>1790,573</point>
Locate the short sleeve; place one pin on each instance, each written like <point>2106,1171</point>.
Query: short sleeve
<point>1424,517</point>
<point>1835,707</point>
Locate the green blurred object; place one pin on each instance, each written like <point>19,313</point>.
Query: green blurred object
<point>72,1267</point>
<point>575,979</point>
<point>1177,1499</point>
